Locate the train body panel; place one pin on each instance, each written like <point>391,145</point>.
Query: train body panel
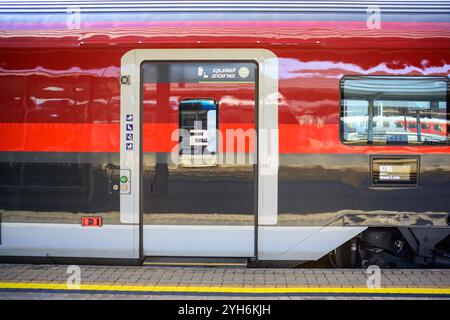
<point>358,113</point>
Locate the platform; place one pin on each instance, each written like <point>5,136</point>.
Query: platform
<point>27,281</point>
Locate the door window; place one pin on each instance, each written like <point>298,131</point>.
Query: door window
<point>198,132</point>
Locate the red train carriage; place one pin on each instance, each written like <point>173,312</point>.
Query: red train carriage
<point>255,130</point>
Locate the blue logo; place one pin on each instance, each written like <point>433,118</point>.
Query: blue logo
<point>129,127</point>
<point>129,136</point>
<point>129,117</point>
<point>129,146</point>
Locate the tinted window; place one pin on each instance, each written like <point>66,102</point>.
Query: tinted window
<point>384,110</point>
<point>198,134</point>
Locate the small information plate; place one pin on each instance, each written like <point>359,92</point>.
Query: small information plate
<point>394,171</point>
<point>91,221</point>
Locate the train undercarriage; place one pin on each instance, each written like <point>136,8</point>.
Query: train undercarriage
<point>395,247</point>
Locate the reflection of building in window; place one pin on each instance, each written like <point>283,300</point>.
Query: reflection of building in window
<point>198,132</point>
<point>384,110</point>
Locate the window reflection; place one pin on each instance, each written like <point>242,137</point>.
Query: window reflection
<point>394,110</point>
<point>198,132</point>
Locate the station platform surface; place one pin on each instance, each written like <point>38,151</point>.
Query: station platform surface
<point>28,281</point>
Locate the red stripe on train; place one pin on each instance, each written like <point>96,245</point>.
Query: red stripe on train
<point>98,137</point>
<point>59,137</point>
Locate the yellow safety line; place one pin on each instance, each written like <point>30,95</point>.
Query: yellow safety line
<point>218,289</point>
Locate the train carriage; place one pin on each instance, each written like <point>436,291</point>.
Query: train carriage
<point>267,132</point>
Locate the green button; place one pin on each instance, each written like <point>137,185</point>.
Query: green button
<point>123,179</point>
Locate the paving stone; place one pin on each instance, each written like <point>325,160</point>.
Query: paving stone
<point>117,275</point>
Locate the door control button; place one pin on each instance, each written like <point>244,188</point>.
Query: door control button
<point>125,186</point>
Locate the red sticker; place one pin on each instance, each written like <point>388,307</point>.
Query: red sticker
<point>91,221</point>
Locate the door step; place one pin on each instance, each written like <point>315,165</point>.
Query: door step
<point>196,262</point>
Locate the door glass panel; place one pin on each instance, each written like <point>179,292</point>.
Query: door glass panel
<point>199,143</point>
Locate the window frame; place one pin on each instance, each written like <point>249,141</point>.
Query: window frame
<point>356,77</point>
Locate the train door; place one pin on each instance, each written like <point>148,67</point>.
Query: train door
<point>190,144</point>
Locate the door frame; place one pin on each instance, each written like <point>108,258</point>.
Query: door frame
<point>131,204</point>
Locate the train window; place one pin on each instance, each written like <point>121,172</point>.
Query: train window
<point>198,132</point>
<point>383,110</point>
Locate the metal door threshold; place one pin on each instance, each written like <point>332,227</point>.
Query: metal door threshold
<point>196,262</point>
